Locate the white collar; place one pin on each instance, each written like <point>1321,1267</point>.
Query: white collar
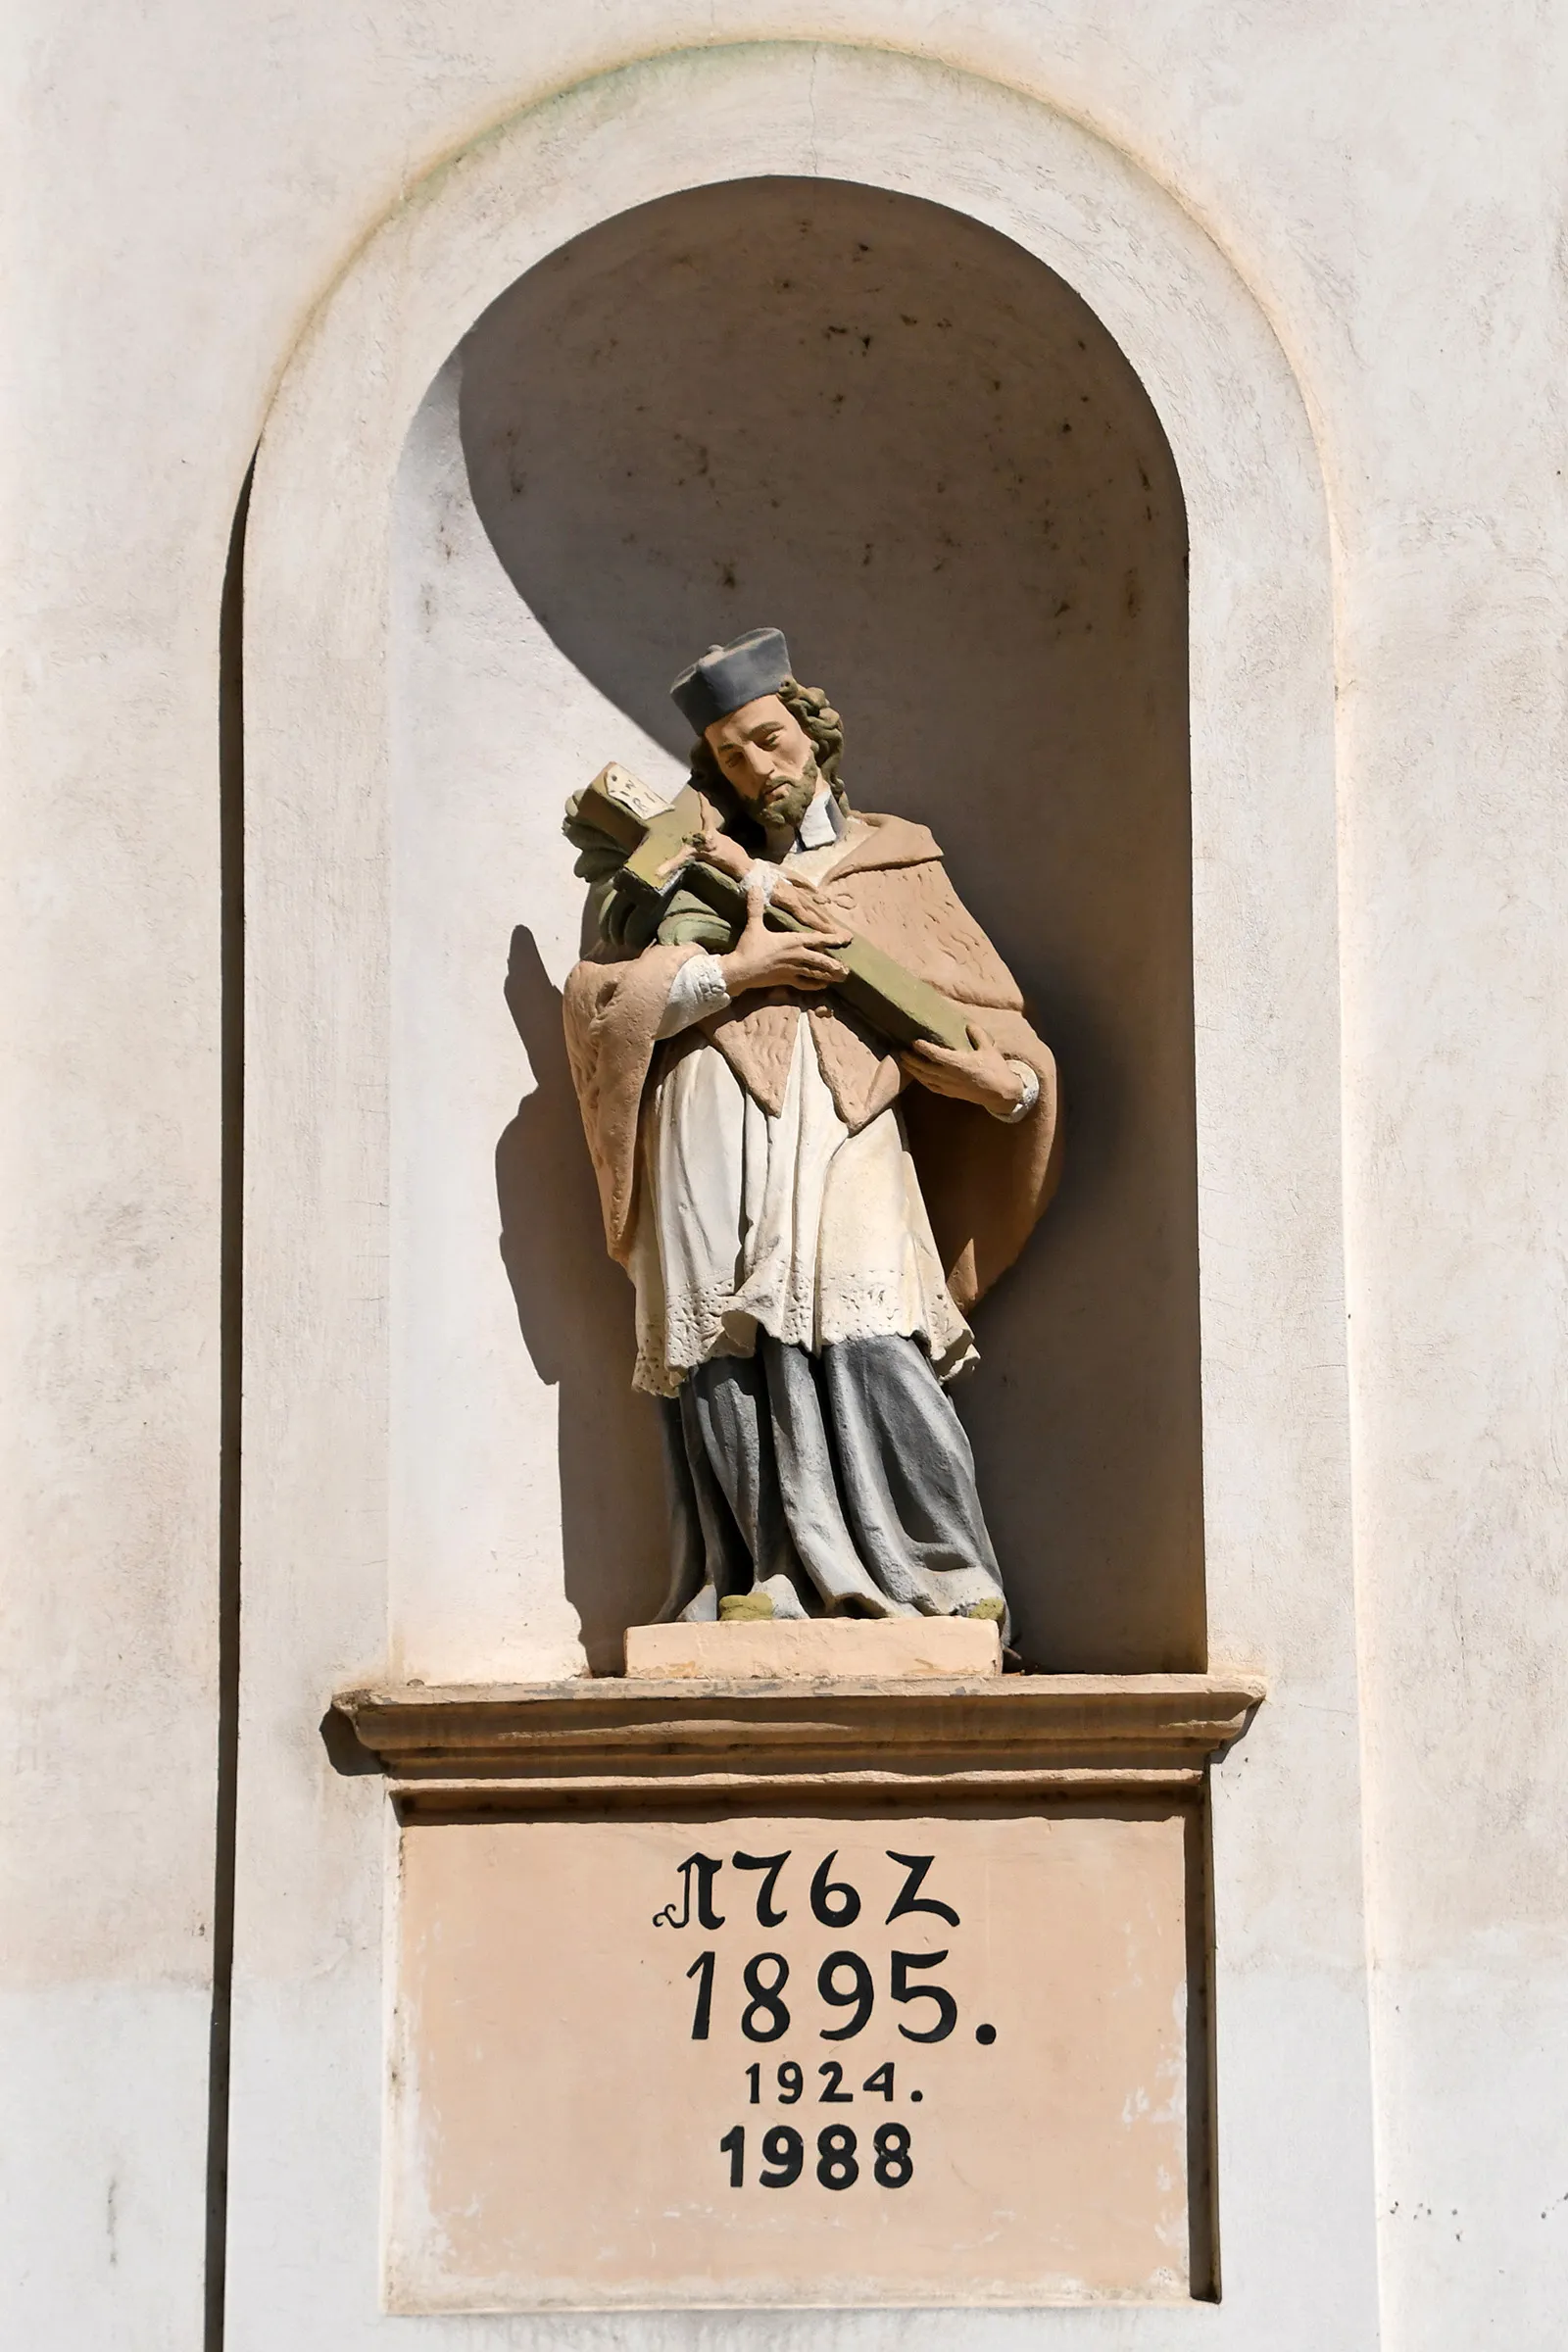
<point>820,824</point>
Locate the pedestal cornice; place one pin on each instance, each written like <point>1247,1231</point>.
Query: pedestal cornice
<point>586,1745</point>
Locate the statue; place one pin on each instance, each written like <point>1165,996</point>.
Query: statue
<point>808,1185</point>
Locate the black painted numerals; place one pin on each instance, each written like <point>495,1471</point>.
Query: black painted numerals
<point>843,1981</point>
<point>789,2083</point>
<point>947,2007</point>
<point>838,2161</point>
<point>785,2152</point>
<point>857,1994</point>
<point>702,1967</point>
<point>835,2000</point>
<point>764,2017</point>
<point>834,1901</point>
<point>895,2166</point>
<point>836,1906</point>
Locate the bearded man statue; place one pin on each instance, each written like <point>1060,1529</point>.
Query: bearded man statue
<point>808,1211</point>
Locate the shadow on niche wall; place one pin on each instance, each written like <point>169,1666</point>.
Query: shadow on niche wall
<point>575,1309</point>
<point>891,432</point>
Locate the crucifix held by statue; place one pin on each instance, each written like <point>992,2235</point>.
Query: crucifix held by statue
<point>822,1126</point>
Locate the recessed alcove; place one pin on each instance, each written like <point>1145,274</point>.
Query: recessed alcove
<point>890,431</point>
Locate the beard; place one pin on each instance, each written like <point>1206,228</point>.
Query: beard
<point>782,813</point>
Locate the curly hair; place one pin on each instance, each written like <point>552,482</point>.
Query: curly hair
<point>809,706</point>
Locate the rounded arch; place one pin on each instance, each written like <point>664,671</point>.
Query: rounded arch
<point>886,425</point>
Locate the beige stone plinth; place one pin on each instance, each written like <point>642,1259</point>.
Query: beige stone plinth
<point>836,1992</point>
<point>772,1650</point>
<point>640,2062</point>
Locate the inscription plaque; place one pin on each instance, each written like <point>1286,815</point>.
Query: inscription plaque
<point>796,2058</point>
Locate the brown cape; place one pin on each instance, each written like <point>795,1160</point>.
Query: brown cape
<point>985,1183</point>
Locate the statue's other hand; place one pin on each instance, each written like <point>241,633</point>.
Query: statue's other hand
<point>719,850</point>
<point>982,1075</point>
<point>763,959</point>
<point>715,848</point>
<point>803,900</point>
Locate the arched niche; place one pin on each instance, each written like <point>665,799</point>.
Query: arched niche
<point>904,438</point>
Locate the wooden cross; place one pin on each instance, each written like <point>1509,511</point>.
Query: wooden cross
<point>652,832</point>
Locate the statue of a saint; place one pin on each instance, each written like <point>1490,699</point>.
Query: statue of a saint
<point>807,1229</point>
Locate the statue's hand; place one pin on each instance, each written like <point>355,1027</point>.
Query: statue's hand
<point>983,1075</point>
<point>720,850</point>
<point>803,901</point>
<point>715,848</point>
<point>763,959</point>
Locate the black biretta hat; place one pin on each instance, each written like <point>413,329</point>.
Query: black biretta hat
<point>730,676</point>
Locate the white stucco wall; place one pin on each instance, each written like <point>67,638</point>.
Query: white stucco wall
<point>183,189</point>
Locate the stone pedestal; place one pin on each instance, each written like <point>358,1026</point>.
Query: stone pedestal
<point>864,1649</point>
<point>824,1992</point>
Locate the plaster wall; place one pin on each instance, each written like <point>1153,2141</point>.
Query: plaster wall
<point>183,189</point>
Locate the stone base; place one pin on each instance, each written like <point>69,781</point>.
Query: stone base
<point>775,1649</point>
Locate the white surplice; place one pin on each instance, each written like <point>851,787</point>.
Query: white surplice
<point>791,1225</point>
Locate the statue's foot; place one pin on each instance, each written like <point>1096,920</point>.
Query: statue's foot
<point>992,1611</point>
<point>741,1607</point>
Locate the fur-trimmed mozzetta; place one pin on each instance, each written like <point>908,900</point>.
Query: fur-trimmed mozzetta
<point>985,1183</point>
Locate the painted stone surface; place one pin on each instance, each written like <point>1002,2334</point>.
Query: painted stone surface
<point>793,2060</point>
<point>772,1650</point>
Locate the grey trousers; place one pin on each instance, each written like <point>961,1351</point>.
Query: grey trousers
<point>839,1484</point>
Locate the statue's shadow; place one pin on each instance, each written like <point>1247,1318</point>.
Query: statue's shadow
<point>574,1309</point>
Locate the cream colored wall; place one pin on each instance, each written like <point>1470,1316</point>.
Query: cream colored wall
<point>184,187</point>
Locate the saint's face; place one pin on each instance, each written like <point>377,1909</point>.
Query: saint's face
<point>764,753</point>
